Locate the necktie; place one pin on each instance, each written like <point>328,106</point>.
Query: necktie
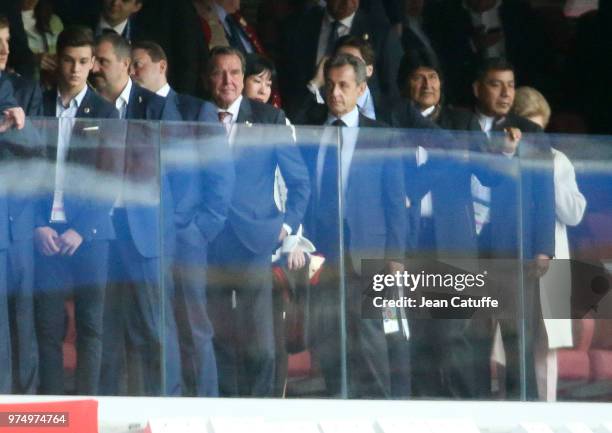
<point>225,117</point>
<point>328,210</point>
<point>333,37</point>
<point>234,38</point>
<point>328,198</point>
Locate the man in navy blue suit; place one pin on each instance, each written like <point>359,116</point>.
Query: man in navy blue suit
<point>26,92</point>
<point>202,184</point>
<point>28,95</point>
<point>517,215</point>
<point>73,226</point>
<point>12,116</point>
<point>241,295</point>
<point>372,212</point>
<point>149,68</point>
<point>142,216</point>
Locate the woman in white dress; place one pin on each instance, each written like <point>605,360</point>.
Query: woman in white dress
<point>555,285</point>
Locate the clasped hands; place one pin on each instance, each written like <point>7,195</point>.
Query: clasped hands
<point>50,243</point>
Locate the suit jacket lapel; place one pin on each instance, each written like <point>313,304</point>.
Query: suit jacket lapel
<point>135,108</point>
<point>49,102</point>
<point>245,113</point>
<point>85,109</point>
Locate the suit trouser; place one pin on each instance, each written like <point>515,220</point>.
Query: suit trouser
<point>5,335</point>
<point>240,299</point>
<point>21,309</point>
<point>84,276</point>
<point>443,352</point>
<point>139,328</point>
<point>367,354</point>
<point>195,329</point>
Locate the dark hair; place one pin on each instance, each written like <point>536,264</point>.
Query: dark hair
<point>154,50</point>
<point>256,64</point>
<point>413,60</point>
<point>492,64</point>
<point>120,44</point>
<point>224,51</point>
<point>340,60</point>
<point>75,36</point>
<point>4,22</point>
<point>364,47</point>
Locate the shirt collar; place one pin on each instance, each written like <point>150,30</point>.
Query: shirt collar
<point>164,90</point>
<point>119,28</point>
<point>346,22</point>
<point>363,98</point>
<point>124,97</point>
<point>232,109</point>
<point>350,119</point>
<point>78,99</point>
<point>486,122</point>
<point>428,111</point>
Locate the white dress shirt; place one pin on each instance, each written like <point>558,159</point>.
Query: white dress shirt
<point>119,28</point>
<point>347,147</point>
<point>66,116</point>
<point>123,99</point>
<point>230,121</point>
<point>343,29</point>
<point>480,193</point>
<point>164,90</point>
<point>421,158</point>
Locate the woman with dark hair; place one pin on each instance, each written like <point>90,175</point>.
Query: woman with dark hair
<point>259,77</point>
<point>259,80</point>
<point>42,27</point>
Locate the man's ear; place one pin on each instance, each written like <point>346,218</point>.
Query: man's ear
<point>361,88</point>
<point>137,6</point>
<point>476,89</point>
<point>163,66</point>
<point>369,70</point>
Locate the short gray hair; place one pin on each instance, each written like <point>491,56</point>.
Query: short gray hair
<point>343,59</point>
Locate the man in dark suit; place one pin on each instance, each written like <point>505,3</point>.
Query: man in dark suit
<point>241,295</point>
<point>22,60</point>
<point>141,283</point>
<point>26,92</point>
<point>10,112</point>
<point>311,36</point>
<point>517,215</point>
<point>441,220</point>
<point>373,228</point>
<point>20,254</point>
<point>208,172</point>
<point>149,69</point>
<point>465,33</point>
<point>372,103</point>
<point>73,228</point>
<point>173,25</point>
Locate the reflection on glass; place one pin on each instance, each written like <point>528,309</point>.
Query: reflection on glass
<point>178,284</point>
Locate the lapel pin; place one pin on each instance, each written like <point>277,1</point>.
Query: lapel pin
<point>140,99</point>
<point>86,110</point>
<point>242,22</point>
<point>366,37</point>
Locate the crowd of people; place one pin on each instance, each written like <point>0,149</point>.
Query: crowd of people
<point>170,268</point>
